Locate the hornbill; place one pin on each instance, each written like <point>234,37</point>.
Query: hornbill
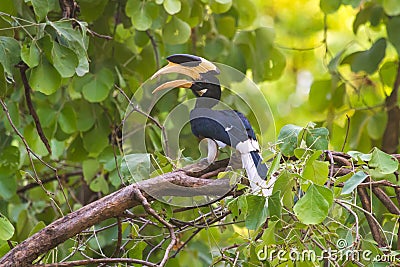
<point>222,127</point>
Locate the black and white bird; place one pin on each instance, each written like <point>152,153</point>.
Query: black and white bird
<point>220,127</point>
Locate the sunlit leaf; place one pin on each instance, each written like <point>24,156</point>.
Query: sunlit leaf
<point>139,13</point>
<point>320,94</point>
<point>314,206</point>
<point>329,6</point>
<point>48,85</point>
<point>6,228</point>
<point>384,163</point>
<point>176,31</point>
<point>30,55</point>
<point>315,170</point>
<point>391,7</point>
<point>353,182</point>
<point>220,6</point>
<point>172,6</point>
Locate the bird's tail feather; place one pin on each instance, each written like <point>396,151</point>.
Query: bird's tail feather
<point>257,173</point>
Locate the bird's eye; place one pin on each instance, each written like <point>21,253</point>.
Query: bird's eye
<point>202,92</point>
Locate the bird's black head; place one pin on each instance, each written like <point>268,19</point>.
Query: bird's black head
<point>203,83</point>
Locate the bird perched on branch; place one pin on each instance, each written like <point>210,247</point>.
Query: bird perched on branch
<point>220,127</point>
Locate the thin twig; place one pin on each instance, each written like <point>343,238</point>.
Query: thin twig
<point>137,109</point>
<point>32,111</point>
<point>155,48</point>
<point>146,205</point>
<point>347,132</point>
<point>356,242</point>
<point>93,33</point>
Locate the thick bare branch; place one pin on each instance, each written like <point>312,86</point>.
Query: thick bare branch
<point>109,206</point>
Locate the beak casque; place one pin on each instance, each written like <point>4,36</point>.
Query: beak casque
<point>194,70</point>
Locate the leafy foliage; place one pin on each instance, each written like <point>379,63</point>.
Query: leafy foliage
<point>78,77</point>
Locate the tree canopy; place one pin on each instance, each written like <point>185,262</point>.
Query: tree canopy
<point>317,79</point>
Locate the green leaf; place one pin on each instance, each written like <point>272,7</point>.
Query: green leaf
<point>359,156</point>
<point>339,95</point>
<point>392,31</point>
<point>384,163</point>
<point>48,85</point>
<point>6,228</point>
<point>329,6</point>
<point>99,185</point>
<point>172,6</point>
<point>41,8</point>
<point>9,160</point>
<point>317,138</point>
<point>258,212</point>
<point>99,85</point>
<point>246,15</point>
<point>220,6</point>
<point>275,206</point>
<point>30,55</point>
<point>315,170</point>
<point>287,139</point>
<point>95,140</point>
<point>8,185</point>
<point>85,116</point>
<point>368,60</point>
<point>320,94</point>
<point>64,60</point>
<point>139,13</point>
<point>376,125</point>
<point>90,168</point>
<point>10,51</point>
<point>388,72</point>
<point>39,226</point>
<point>176,31</point>
<point>391,7</point>
<point>67,120</point>
<point>92,10</point>
<point>268,237</point>
<point>274,165</point>
<point>314,206</point>
<point>226,26</point>
<point>47,115</point>
<point>353,182</point>
<point>3,83</point>
<point>75,39</point>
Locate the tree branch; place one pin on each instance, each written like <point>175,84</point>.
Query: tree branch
<point>391,135</point>
<point>107,207</point>
<point>32,111</point>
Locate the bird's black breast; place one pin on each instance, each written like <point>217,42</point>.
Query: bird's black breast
<point>228,126</point>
